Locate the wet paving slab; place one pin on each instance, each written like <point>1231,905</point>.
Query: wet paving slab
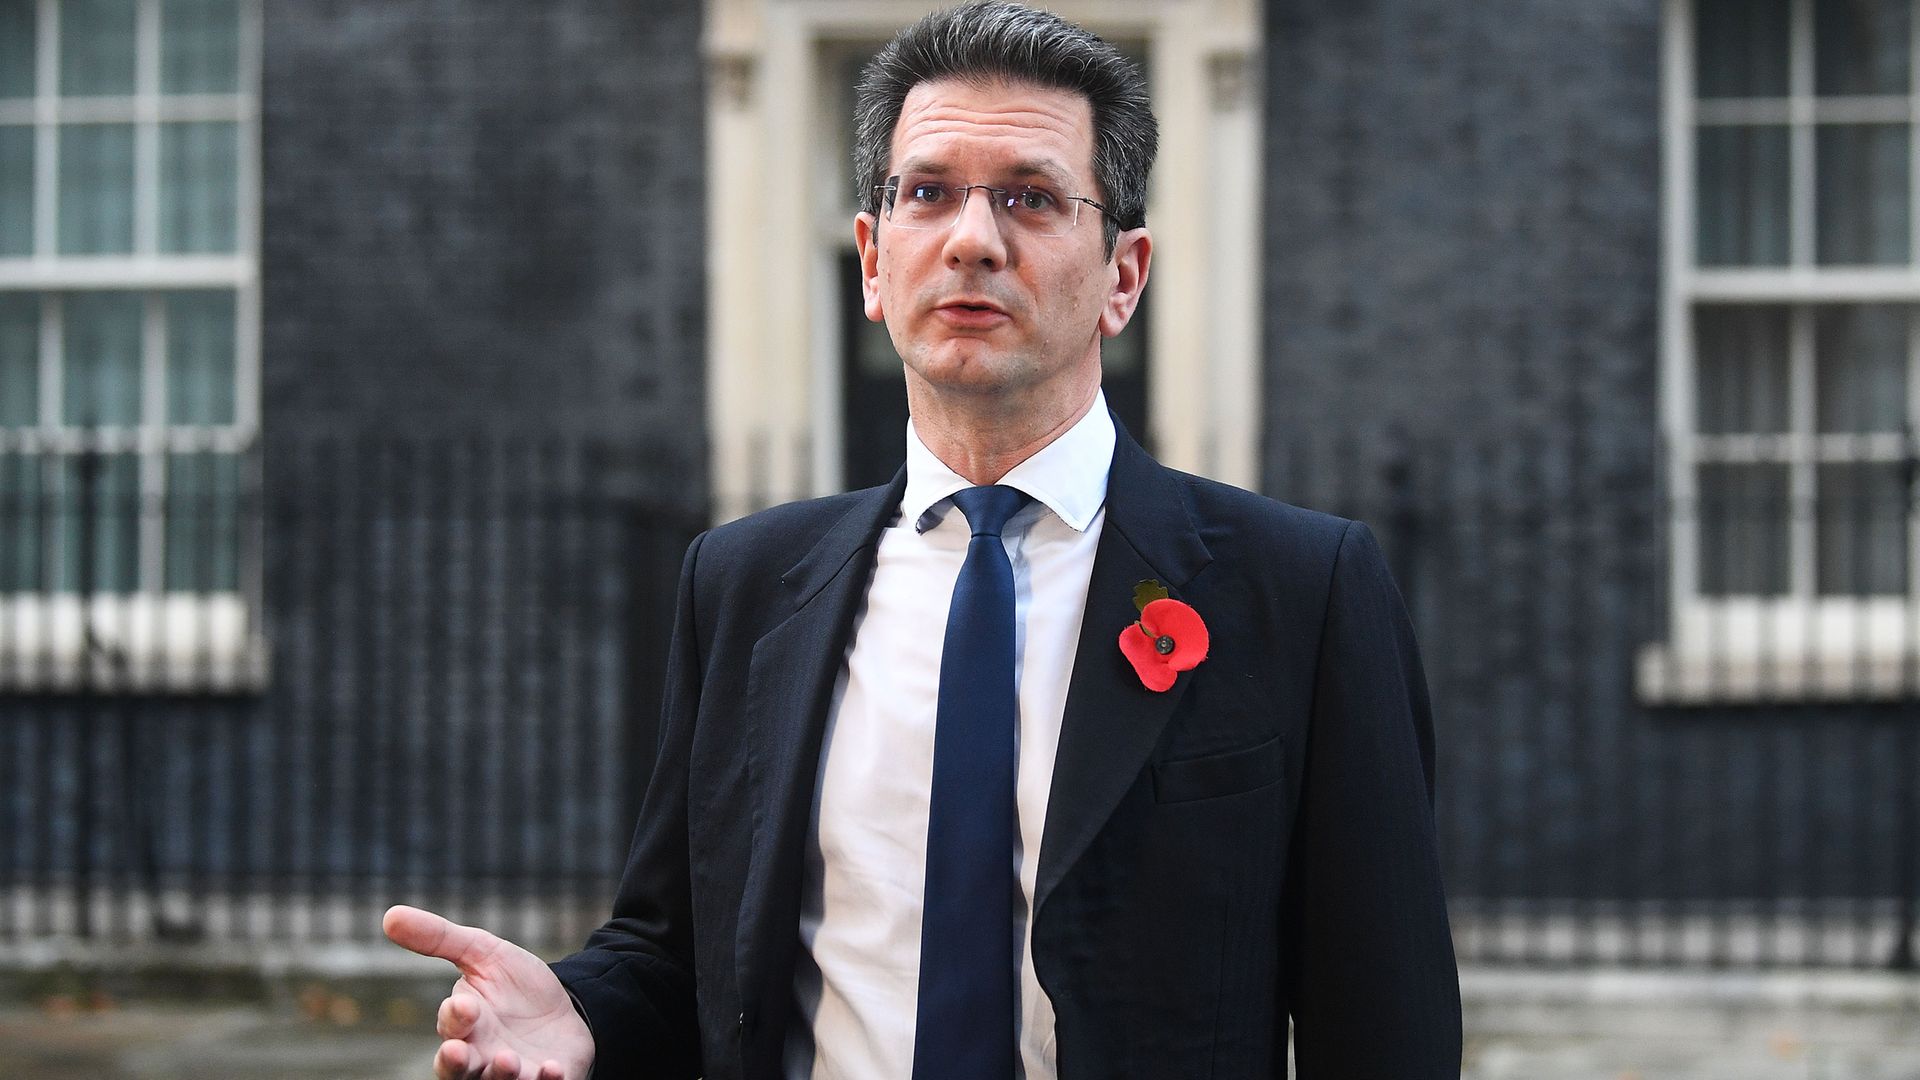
<point>207,1042</point>
<point>1520,1026</point>
<point>1686,1025</point>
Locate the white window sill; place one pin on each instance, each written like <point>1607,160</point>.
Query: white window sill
<point>1664,675</point>
<point>131,644</point>
<point>1778,651</point>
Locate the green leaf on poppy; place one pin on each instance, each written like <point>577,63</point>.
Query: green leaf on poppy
<point>1146,592</point>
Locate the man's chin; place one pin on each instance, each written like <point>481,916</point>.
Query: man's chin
<point>972,378</point>
<point>968,366</point>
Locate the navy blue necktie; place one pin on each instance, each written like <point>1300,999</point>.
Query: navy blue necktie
<point>969,964</point>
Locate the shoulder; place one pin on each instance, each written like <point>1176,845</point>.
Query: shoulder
<point>772,540</point>
<point>733,575</point>
<point>1295,559</point>
<point>784,531</point>
<point>1278,548</point>
<point>1234,522</point>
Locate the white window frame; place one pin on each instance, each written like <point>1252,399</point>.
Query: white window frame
<point>1800,646</point>
<point>148,639</point>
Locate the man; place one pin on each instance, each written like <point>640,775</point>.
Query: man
<point>1043,760</point>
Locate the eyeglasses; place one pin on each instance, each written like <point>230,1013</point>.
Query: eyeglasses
<point>912,202</point>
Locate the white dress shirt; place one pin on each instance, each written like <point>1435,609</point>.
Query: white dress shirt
<point>857,979</point>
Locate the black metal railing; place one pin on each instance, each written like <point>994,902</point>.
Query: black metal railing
<point>1640,762</point>
<point>429,674</point>
<point>1669,732</point>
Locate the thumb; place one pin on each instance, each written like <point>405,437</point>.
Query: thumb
<point>428,934</point>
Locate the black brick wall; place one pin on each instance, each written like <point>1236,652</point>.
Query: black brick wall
<point>484,216</point>
<point>1463,215</point>
<point>484,454</point>
<point>485,219</point>
<point>1462,346</point>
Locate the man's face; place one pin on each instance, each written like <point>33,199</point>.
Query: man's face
<point>981,306</point>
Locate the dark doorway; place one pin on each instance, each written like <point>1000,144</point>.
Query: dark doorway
<point>873,396</point>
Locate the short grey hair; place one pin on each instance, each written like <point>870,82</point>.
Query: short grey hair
<point>992,39</point>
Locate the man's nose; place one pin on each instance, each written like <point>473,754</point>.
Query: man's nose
<point>974,238</point>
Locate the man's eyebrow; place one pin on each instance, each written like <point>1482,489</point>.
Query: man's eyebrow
<point>1024,170</point>
<point>924,165</point>
<point>1044,170</point>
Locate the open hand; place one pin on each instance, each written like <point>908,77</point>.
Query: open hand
<point>507,1017</point>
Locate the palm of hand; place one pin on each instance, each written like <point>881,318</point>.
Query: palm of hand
<point>522,1009</point>
<point>507,1017</point>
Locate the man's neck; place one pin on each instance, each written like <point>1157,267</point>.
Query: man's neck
<point>982,440</point>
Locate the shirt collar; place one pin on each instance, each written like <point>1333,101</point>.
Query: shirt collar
<point>1068,475</point>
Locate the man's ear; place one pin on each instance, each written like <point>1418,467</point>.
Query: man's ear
<point>866,237</point>
<point>1132,251</point>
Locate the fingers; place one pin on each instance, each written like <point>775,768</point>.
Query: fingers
<point>504,1066</point>
<point>433,935</point>
<point>457,1016</point>
<point>455,1060</point>
<point>458,1060</point>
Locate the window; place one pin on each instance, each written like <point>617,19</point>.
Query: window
<point>1793,332</point>
<point>128,339</point>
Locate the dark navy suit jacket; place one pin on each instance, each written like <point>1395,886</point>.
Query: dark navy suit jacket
<point>1255,844</point>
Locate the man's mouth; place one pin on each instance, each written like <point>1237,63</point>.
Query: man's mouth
<point>970,314</point>
<point>972,305</point>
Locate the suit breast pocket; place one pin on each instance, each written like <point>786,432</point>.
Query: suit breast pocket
<point>1217,775</point>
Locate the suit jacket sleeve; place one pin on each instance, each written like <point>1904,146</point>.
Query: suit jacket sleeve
<point>1373,989</point>
<point>634,980</point>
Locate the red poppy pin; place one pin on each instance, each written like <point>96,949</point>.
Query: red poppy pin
<point>1168,639</point>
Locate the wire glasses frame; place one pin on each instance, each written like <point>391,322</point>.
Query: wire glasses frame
<point>1034,210</point>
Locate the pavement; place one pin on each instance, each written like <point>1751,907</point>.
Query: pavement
<point>107,1041</point>
<point>1690,1025</point>
<point>1521,1025</point>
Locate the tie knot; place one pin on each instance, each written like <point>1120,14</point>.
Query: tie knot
<point>988,507</point>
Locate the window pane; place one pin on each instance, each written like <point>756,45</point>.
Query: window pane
<point>1860,193</point>
<point>16,190</point>
<point>1741,366</point>
<point>199,165</point>
<point>97,523</point>
<point>203,535</point>
<point>1863,528</point>
<point>21,516</point>
<point>199,46</point>
<point>1744,510</point>
<point>1860,355</point>
<point>102,371</point>
<point>96,47</point>
<point>96,189</point>
<point>17,39</point>
<point>19,360</point>
<point>200,358</point>
<point>1861,46</point>
<point>1743,195</point>
<point>1741,46</point>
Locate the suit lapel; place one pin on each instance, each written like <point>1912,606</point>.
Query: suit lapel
<point>1110,726</point>
<point>789,681</point>
<point>1112,722</point>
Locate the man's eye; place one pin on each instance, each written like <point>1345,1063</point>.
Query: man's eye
<point>1033,200</point>
<point>927,193</point>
